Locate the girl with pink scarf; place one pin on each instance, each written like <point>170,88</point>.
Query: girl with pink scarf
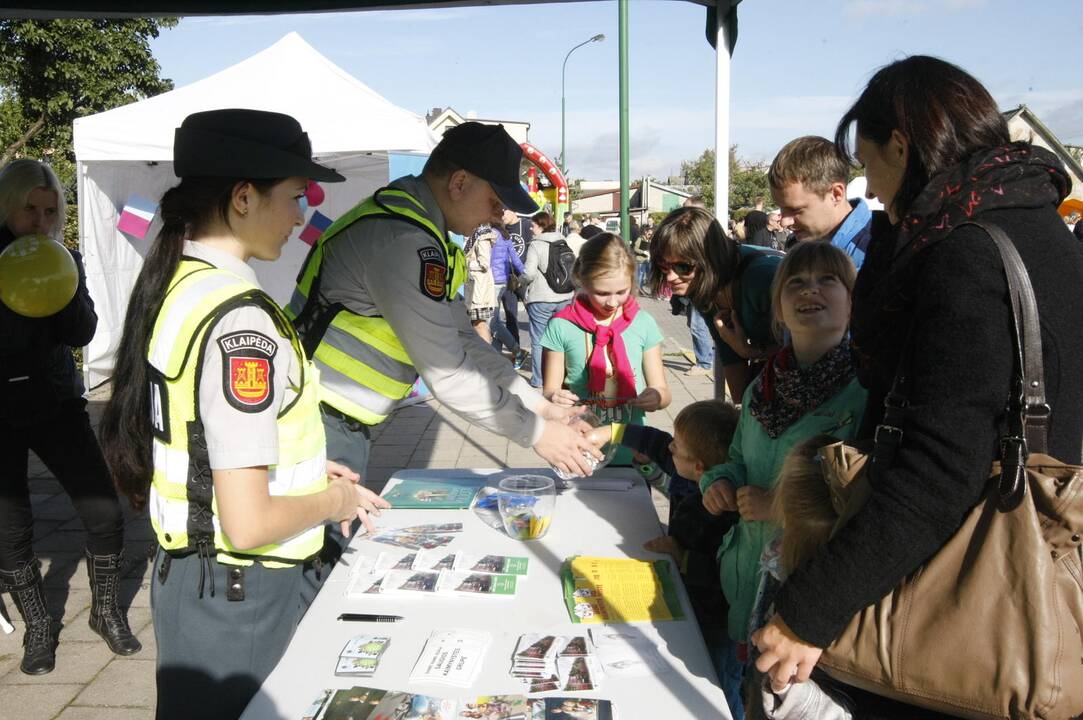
<point>603,348</point>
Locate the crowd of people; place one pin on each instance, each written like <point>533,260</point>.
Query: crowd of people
<point>244,427</point>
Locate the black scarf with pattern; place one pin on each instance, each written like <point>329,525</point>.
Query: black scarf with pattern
<point>1018,175</point>
<point>785,392</point>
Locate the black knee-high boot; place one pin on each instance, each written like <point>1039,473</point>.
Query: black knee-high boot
<point>106,617</point>
<point>39,641</point>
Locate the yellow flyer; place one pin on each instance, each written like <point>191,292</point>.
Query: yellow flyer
<point>619,590</point>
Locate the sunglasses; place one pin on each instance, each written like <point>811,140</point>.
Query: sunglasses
<point>682,269</point>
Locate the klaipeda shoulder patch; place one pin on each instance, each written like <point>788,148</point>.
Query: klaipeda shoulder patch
<point>433,279</point>
<point>248,370</point>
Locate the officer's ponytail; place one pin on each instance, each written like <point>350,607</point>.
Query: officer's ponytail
<point>188,210</point>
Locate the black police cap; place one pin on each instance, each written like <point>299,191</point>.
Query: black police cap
<point>245,143</point>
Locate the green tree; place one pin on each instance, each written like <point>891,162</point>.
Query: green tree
<point>54,71</point>
<point>700,172</point>
<point>747,180</point>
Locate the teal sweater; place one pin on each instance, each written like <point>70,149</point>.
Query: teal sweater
<point>755,458</point>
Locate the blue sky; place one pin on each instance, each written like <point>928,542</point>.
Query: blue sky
<point>797,67</point>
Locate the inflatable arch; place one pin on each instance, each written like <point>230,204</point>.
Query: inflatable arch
<point>558,195</point>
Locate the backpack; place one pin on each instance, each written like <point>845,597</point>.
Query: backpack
<point>558,273</point>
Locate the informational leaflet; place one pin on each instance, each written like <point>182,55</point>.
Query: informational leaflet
<point>452,657</point>
<point>450,494</point>
<point>616,590</point>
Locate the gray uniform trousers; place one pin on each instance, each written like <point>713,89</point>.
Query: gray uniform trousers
<point>213,653</point>
<point>347,443</point>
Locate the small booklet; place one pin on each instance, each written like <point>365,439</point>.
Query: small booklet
<point>495,707</point>
<point>452,657</point>
<point>430,529</point>
<point>396,581</point>
<point>399,705</point>
<point>411,541</point>
<point>535,661</point>
<point>465,583</point>
<point>561,708</point>
<point>362,654</point>
<point>497,564</point>
<point>454,494</point>
<point>356,703</point>
<point>577,674</point>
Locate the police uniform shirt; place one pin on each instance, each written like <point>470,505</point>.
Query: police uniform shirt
<point>378,267</point>
<point>249,372</point>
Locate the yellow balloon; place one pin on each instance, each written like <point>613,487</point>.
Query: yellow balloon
<point>38,276</point>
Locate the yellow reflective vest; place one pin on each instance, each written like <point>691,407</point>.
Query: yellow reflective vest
<point>183,510</point>
<point>364,369</point>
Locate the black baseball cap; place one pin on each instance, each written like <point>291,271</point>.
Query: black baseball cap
<point>490,153</point>
<point>245,143</point>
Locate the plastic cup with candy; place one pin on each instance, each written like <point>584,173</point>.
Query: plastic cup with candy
<point>38,276</point>
<point>526,504</point>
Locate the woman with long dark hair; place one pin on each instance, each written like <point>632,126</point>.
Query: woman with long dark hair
<point>214,420</point>
<point>932,295</point>
<point>42,408</point>
<point>726,282</point>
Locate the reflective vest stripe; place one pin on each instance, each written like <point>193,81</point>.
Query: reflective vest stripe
<point>365,363</point>
<point>357,401</point>
<point>178,321</point>
<point>376,331</point>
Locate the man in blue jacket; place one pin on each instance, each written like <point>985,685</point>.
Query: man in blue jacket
<point>808,182</point>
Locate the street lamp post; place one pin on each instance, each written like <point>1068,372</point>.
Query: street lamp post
<point>597,38</point>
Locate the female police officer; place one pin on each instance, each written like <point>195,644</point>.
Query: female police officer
<point>215,418</point>
<point>42,409</point>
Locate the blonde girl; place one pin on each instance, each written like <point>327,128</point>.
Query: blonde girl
<point>603,348</point>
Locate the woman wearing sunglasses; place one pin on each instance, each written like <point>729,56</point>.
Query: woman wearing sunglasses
<point>724,280</point>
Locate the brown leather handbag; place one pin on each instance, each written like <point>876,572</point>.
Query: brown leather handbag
<point>992,625</point>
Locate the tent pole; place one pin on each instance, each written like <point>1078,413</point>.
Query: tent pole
<point>625,227</point>
<point>721,156</point>
<point>722,123</point>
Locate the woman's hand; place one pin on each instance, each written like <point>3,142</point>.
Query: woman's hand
<point>754,503</point>
<point>730,330</point>
<point>564,398</point>
<point>335,469</point>
<point>785,658</point>
<point>720,497</point>
<point>649,400</point>
<point>351,500</point>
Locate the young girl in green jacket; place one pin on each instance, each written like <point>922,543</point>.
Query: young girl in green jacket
<point>807,388</point>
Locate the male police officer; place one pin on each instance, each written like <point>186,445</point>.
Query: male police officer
<point>376,305</point>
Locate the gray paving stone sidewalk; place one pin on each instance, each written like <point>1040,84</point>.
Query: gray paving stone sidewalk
<point>90,683</point>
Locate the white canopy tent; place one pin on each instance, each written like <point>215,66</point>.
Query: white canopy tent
<point>128,151</point>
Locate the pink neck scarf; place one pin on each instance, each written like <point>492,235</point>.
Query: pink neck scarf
<point>607,338</point>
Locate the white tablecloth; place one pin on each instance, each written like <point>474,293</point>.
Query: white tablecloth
<point>586,522</point>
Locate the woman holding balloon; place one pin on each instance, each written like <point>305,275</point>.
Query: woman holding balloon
<point>45,310</point>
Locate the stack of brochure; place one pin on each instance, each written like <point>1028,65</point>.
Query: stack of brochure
<point>452,657</point>
<point>554,662</point>
<point>437,571</point>
<point>361,656</point>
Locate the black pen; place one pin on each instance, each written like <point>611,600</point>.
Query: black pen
<point>362,617</point>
